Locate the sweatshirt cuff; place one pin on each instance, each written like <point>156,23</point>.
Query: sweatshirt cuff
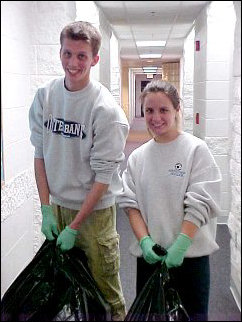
<point>143,238</point>
<point>38,153</point>
<point>127,204</point>
<point>192,218</point>
<point>72,231</point>
<point>103,178</point>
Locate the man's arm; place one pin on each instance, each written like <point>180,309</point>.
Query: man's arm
<point>97,191</point>
<point>67,237</point>
<point>41,181</point>
<point>49,223</point>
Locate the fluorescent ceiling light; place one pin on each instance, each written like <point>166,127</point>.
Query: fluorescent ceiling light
<point>151,43</point>
<point>150,72</point>
<point>150,67</point>
<point>150,56</point>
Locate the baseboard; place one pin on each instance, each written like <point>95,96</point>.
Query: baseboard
<point>235,293</point>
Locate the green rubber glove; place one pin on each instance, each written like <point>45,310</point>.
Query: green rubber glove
<point>176,252</point>
<point>146,244</point>
<point>66,239</point>
<point>49,223</point>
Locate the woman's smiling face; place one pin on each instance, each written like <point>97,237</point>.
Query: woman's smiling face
<point>160,117</point>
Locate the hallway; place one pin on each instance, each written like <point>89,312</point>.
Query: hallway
<point>222,306</point>
<point>197,52</point>
<point>137,135</point>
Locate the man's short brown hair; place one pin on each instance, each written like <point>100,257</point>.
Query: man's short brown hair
<point>82,30</point>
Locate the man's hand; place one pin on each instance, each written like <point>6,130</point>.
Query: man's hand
<point>146,244</point>
<point>177,250</point>
<point>49,223</point>
<point>66,239</point>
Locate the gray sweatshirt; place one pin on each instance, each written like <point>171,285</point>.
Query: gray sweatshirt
<point>81,137</point>
<point>172,182</point>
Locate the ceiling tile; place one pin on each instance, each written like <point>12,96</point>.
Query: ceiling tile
<point>151,20</point>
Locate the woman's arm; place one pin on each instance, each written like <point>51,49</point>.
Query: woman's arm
<point>189,229</point>
<point>137,223</point>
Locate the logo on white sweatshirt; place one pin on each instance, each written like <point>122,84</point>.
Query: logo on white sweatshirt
<point>65,128</point>
<point>177,171</point>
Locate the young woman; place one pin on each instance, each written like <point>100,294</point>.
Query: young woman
<point>171,193</point>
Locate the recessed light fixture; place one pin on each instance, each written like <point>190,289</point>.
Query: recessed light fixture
<point>150,72</point>
<point>151,43</point>
<point>150,56</point>
<point>150,67</point>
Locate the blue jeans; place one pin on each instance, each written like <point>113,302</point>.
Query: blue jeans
<point>191,280</point>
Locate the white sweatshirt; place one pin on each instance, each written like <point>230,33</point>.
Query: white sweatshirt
<point>172,182</point>
<point>81,137</point>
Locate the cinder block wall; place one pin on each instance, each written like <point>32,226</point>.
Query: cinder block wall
<point>234,221</point>
<point>115,69</point>
<point>217,100</point>
<point>30,56</point>
<point>213,87</point>
<point>104,63</point>
<point>187,74</point>
<point>17,186</point>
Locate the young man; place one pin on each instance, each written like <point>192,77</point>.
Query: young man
<point>79,134</point>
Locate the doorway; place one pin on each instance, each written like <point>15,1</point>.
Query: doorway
<point>143,84</point>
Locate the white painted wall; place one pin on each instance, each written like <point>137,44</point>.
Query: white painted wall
<point>17,191</point>
<point>106,32</point>
<point>88,11</point>
<point>234,221</point>
<point>212,86</point>
<point>30,56</point>
<point>217,99</point>
<point>115,82</point>
<point>187,75</point>
<point>15,88</point>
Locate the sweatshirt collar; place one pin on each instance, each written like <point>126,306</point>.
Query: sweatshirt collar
<point>173,142</point>
<point>84,91</point>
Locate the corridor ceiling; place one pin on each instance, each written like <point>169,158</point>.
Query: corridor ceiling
<point>132,21</point>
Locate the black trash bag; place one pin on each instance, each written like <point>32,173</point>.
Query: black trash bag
<point>157,301</point>
<point>55,286</point>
